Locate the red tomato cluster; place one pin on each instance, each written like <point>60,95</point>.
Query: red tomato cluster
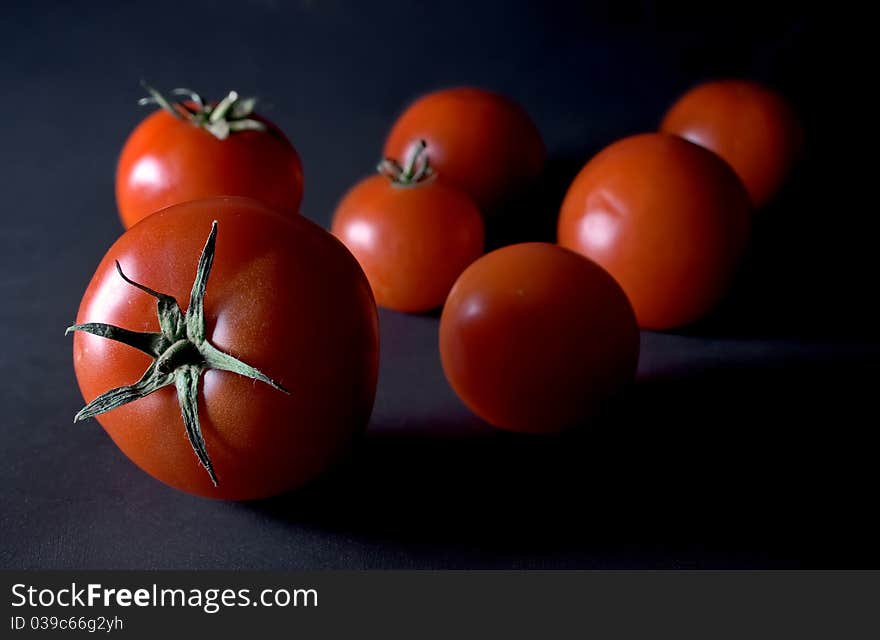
<point>269,373</point>
<point>453,158</point>
<point>532,337</point>
<point>668,214</point>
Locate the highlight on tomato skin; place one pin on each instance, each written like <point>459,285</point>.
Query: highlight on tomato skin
<point>668,219</point>
<point>481,142</point>
<point>535,338</point>
<point>178,154</point>
<point>412,234</point>
<point>283,296</point>
<point>749,125</point>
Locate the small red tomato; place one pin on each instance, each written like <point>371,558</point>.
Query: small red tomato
<point>192,150</point>
<point>266,378</point>
<point>667,218</point>
<point>412,235</point>
<point>534,338</point>
<point>481,142</point>
<point>748,125</point>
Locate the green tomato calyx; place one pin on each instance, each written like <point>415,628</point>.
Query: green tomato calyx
<point>416,170</point>
<point>180,353</point>
<point>230,115</point>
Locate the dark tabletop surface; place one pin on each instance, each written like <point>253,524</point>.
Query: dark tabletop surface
<point>745,442</point>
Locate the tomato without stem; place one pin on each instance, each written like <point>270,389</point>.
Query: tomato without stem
<point>748,125</point>
<point>176,155</point>
<point>284,297</point>
<point>412,235</point>
<point>667,218</point>
<point>534,338</point>
<point>481,142</point>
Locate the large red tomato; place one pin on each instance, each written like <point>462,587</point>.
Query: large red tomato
<point>192,150</point>
<point>481,142</point>
<point>535,338</point>
<point>289,348</point>
<point>667,218</point>
<point>748,125</point>
<point>412,235</point>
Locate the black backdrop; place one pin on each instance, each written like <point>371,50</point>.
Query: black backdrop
<point>745,441</point>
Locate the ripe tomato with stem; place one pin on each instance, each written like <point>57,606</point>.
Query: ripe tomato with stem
<point>264,380</point>
<point>191,149</point>
<point>412,234</point>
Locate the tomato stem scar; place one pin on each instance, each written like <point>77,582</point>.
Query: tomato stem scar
<point>180,353</point>
<point>228,116</point>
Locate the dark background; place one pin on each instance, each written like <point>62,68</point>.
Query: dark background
<point>746,441</point>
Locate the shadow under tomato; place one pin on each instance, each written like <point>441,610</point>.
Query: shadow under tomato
<point>532,216</point>
<point>812,258</point>
<point>768,466</point>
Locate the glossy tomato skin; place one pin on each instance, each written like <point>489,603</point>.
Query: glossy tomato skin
<point>479,141</point>
<point>535,338</point>
<point>751,127</point>
<point>667,218</point>
<point>412,241</point>
<point>167,161</point>
<point>284,296</point>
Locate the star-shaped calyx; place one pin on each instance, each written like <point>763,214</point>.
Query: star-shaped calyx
<point>228,116</point>
<point>415,170</point>
<point>180,353</point>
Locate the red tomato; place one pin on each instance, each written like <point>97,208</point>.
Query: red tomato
<point>173,156</point>
<point>283,296</point>
<point>534,338</point>
<point>668,219</point>
<point>412,235</point>
<point>479,141</point>
<point>748,125</point>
